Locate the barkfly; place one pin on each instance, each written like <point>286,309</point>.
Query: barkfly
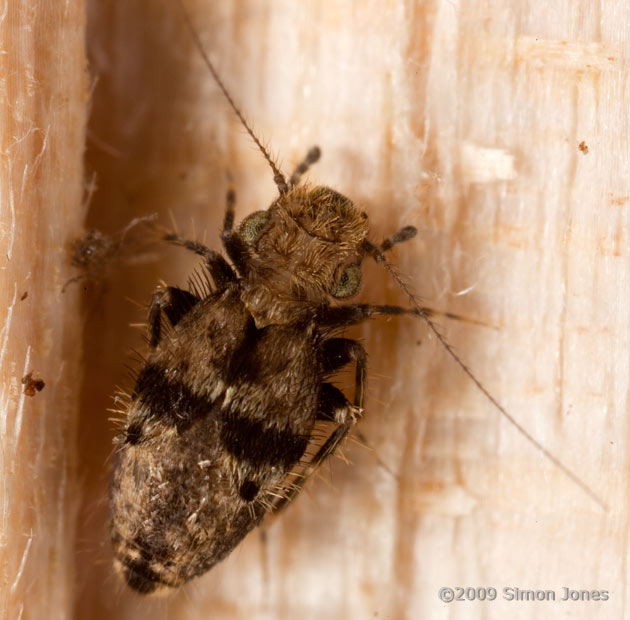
<point>238,374</point>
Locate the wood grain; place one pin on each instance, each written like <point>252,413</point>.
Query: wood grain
<point>463,119</point>
<point>43,112</point>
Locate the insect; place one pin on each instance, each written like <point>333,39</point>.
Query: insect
<point>92,252</point>
<point>237,376</point>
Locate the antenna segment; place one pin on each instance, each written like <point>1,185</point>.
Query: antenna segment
<point>278,177</point>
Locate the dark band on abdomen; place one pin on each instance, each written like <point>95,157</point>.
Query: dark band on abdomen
<point>258,444</point>
<point>169,400</point>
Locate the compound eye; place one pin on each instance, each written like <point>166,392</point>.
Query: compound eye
<point>348,283</point>
<point>252,225</point>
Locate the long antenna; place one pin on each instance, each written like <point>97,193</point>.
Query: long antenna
<point>278,177</point>
<point>378,255</point>
<point>380,258</point>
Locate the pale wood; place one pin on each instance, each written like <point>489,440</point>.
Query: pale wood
<point>463,119</point>
<point>43,104</point>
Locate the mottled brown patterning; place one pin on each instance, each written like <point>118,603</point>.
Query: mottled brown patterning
<point>224,407</point>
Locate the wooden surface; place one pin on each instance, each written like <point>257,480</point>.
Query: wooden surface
<point>463,119</point>
<point>43,111</point>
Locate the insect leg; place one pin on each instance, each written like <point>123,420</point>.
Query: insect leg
<point>234,246</point>
<point>337,353</point>
<point>236,250</point>
<point>351,315</point>
<point>332,406</point>
<point>230,201</point>
<point>312,156</point>
<point>329,447</point>
<point>219,268</point>
<point>344,316</point>
<point>175,303</point>
<point>145,219</point>
<point>341,351</point>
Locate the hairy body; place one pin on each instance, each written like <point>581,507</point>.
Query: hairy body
<point>224,408</point>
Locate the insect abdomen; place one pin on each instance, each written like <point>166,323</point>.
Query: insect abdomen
<point>209,434</point>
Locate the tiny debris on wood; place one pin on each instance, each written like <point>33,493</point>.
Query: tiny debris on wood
<point>32,386</point>
<point>583,147</point>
